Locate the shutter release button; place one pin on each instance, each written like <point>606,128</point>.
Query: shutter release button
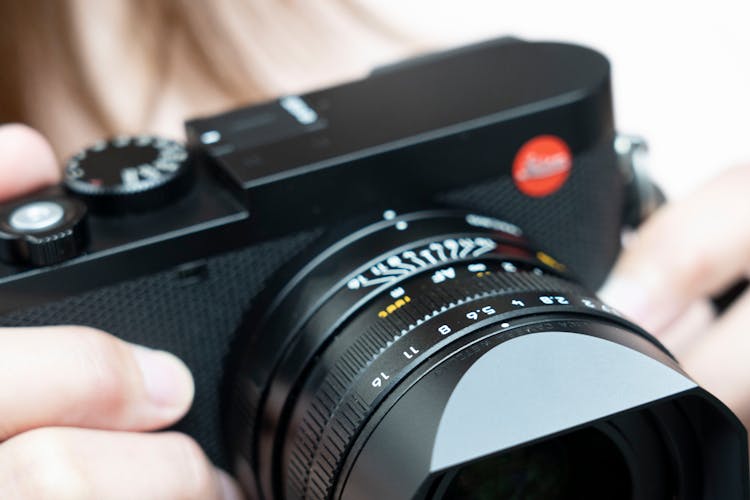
<point>36,216</point>
<point>43,230</point>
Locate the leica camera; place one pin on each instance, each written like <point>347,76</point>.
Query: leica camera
<point>384,289</point>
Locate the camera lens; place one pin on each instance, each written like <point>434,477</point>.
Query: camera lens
<point>439,355</point>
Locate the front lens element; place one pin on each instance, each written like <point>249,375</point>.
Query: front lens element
<point>585,464</point>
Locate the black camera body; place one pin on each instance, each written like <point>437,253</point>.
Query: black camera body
<point>175,249</point>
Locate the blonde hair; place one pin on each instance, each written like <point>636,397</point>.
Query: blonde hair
<point>41,37</point>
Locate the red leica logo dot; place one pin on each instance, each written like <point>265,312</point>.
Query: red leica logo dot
<point>542,166</point>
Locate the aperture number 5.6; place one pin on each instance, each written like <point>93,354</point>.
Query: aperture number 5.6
<point>480,313</point>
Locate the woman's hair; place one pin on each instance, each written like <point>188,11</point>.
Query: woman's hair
<point>40,42</point>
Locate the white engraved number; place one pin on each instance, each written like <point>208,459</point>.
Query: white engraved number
<point>378,381</point>
<point>550,300</point>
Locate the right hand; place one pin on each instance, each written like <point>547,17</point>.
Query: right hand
<point>76,403</point>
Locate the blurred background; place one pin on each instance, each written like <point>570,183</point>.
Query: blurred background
<point>78,70</point>
<point>681,70</point>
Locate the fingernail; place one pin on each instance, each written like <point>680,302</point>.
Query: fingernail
<point>624,295</point>
<point>638,303</point>
<point>167,380</point>
<point>228,488</point>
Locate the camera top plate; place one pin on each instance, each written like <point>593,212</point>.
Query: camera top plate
<point>394,140</point>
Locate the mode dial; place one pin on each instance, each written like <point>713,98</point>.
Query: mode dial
<point>42,230</point>
<point>129,174</point>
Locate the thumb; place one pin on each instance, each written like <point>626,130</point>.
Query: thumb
<point>27,162</point>
<point>81,377</point>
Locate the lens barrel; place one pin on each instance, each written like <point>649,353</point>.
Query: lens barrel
<point>439,355</point>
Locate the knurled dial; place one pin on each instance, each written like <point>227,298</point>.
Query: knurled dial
<point>129,174</point>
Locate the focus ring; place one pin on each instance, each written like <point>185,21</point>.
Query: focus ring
<point>334,411</point>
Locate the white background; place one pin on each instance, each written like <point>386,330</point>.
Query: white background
<point>681,70</point>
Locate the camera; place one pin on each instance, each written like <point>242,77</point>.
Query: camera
<point>383,289</point>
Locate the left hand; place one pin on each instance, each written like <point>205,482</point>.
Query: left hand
<point>688,252</point>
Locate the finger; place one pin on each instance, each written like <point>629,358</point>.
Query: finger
<point>719,361</point>
<point>691,249</point>
<point>27,162</point>
<point>85,464</point>
<point>76,376</point>
<point>691,325</point>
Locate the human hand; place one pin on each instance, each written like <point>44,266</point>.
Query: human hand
<point>76,402</point>
<point>686,253</point>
